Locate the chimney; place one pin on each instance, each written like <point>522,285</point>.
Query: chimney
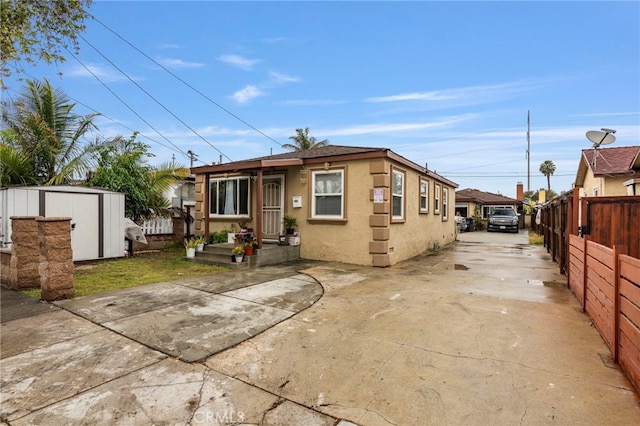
<point>519,192</point>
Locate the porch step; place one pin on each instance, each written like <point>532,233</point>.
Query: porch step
<point>219,254</point>
<point>269,254</point>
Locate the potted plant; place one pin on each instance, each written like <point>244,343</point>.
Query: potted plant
<point>238,253</point>
<point>250,245</point>
<point>290,223</point>
<point>200,243</point>
<point>191,244</point>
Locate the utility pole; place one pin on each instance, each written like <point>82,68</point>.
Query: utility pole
<point>528,151</point>
<point>192,156</point>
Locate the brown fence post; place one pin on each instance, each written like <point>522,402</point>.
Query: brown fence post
<point>584,274</point>
<point>617,251</point>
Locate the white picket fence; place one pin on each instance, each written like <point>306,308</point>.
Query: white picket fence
<point>159,225</point>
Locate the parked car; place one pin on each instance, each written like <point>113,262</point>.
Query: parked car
<point>504,219</point>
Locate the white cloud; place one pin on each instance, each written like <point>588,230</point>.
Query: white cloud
<point>179,63</point>
<point>311,102</point>
<point>248,93</point>
<point>274,40</point>
<point>283,78</point>
<point>395,127</point>
<point>169,46</point>
<point>99,71</point>
<point>238,61</point>
<point>471,95</point>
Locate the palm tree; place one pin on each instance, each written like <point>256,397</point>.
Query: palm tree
<point>46,131</point>
<point>15,168</point>
<point>303,141</point>
<point>163,177</point>
<point>547,168</point>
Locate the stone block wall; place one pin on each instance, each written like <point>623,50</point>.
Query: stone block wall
<point>41,256</point>
<point>160,241</point>
<point>5,266</point>
<point>56,258</point>
<point>25,253</point>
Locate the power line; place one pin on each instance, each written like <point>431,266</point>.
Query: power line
<point>187,84</point>
<point>174,148</point>
<point>154,99</point>
<point>124,103</point>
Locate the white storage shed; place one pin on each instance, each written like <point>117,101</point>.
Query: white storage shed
<point>97,216</point>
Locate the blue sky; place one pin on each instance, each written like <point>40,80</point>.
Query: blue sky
<point>443,83</point>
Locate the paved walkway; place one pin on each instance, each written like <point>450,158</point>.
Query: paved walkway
<point>482,332</point>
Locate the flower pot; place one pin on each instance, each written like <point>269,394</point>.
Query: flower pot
<point>248,251</point>
<point>191,252</point>
<point>200,247</point>
<point>238,258</point>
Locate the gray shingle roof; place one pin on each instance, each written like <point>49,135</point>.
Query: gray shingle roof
<point>482,197</point>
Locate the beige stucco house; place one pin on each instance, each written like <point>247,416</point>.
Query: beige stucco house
<point>366,206</point>
<point>609,172</point>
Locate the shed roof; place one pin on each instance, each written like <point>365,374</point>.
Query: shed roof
<point>482,197</point>
<point>618,161</point>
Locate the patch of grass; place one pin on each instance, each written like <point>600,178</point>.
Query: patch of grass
<point>143,268</point>
<point>535,239</point>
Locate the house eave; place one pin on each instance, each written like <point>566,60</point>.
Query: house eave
<point>245,166</point>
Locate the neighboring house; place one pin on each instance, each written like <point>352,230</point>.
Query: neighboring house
<point>468,200</point>
<point>181,197</point>
<point>609,172</point>
<point>366,206</point>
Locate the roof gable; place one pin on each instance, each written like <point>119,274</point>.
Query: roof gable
<point>608,162</point>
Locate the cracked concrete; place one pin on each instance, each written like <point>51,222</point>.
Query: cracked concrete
<point>464,336</point>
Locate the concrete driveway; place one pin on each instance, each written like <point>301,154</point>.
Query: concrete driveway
<point>481,332</point>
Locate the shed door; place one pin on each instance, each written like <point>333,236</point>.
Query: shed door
<point>85,223</point>
<point>272,206</point>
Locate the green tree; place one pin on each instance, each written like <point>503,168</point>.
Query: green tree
<point>45,130</point>
<point>15,168</point>
<point>302,141</point>
<point>34,30</point>
<point>547,168</point>
<point>123,167</point>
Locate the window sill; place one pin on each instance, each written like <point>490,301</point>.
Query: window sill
<point>327,221</point>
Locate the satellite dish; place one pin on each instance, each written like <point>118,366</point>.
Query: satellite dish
<point>601,137</point>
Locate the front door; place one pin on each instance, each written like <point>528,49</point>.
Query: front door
<point>272,207</point>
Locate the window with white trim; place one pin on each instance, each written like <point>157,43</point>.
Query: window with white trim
<point>445,203</point>
<point>328,194</point>
<point>436,200</point>
<point>424,196</point>
<point>397,195</point>
<point>229,197</point>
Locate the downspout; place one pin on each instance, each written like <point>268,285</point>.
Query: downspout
<point>205,205</point>
<point>259,202</point>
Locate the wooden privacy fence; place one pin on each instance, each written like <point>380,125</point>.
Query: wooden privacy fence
<point>605,220</point>
<point>606,281</point>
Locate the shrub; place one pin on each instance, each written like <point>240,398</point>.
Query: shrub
<point>218,237</point>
